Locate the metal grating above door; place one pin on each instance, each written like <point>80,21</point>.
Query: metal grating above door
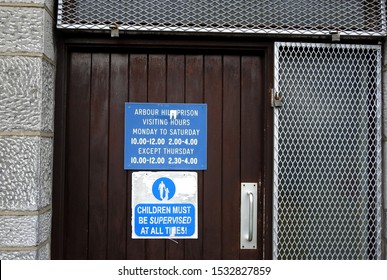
<point>355,17</point>
<point>327,162</point>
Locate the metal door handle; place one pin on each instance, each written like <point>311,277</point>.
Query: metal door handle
<point>251,216</point>
<point>248,225</point>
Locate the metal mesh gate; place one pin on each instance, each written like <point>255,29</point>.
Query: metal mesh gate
<point>355,17</point>
<point>327,163</point>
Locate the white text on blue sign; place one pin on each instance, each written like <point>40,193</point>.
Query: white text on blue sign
<point>165,136</point>
<point>165,220</point>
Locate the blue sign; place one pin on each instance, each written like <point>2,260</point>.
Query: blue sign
<point>164,205</point>
<point>164,220</point>
<point>165,136</point>
<point>163,189</point>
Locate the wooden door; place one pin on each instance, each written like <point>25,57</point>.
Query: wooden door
<point>92,216</point>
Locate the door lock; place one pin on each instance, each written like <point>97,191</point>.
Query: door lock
<point>276,98</point>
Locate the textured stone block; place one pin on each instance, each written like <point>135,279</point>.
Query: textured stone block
<point>26,94</point>
<point>25,173</point>
<point>44,252</point>
<point>22,29</point>
<point>48,3</point>
<point>48,36</point>
<point>44,180</point>
<point>24,231</point>
<point>26,30</point>
<point>48,93</point>
<point>17,255</point>
<point>20,93</point>
<point>10,2</point>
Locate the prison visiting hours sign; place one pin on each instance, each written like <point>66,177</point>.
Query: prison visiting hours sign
<point>164,205</point>
<point>165,136</point>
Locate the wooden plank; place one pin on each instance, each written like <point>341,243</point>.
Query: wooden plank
<point>212,193</point>
<point>175,94</point>
<point>155,249</point>
<point>117,191</point>
<point>59,162</point>
<point>138,74</point>
<point>138,78</point>
<point>99,128</point>
<point>175,78</point>
<point>77,161</point>
<point>251,134</point>
<point>231,157</point>
<point>194,94</point>
<point>157,78</point>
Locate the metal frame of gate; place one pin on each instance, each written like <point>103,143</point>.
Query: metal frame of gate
<point>327,152</point>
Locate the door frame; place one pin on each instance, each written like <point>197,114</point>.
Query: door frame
<point>69,42</point>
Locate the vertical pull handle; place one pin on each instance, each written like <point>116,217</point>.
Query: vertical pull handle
<point>248,225</point>
<point>251,216</point>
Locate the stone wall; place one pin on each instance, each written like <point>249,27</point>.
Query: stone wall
<point>27,75</point>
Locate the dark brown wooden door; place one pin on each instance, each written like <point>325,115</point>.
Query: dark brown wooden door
<point>95,204</point>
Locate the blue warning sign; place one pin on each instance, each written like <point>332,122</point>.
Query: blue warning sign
<point>164,220</point>
<point>164,205</point>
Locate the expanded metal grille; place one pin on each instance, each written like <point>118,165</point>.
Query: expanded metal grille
<point>354,17</point>
<point>327,163</point>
